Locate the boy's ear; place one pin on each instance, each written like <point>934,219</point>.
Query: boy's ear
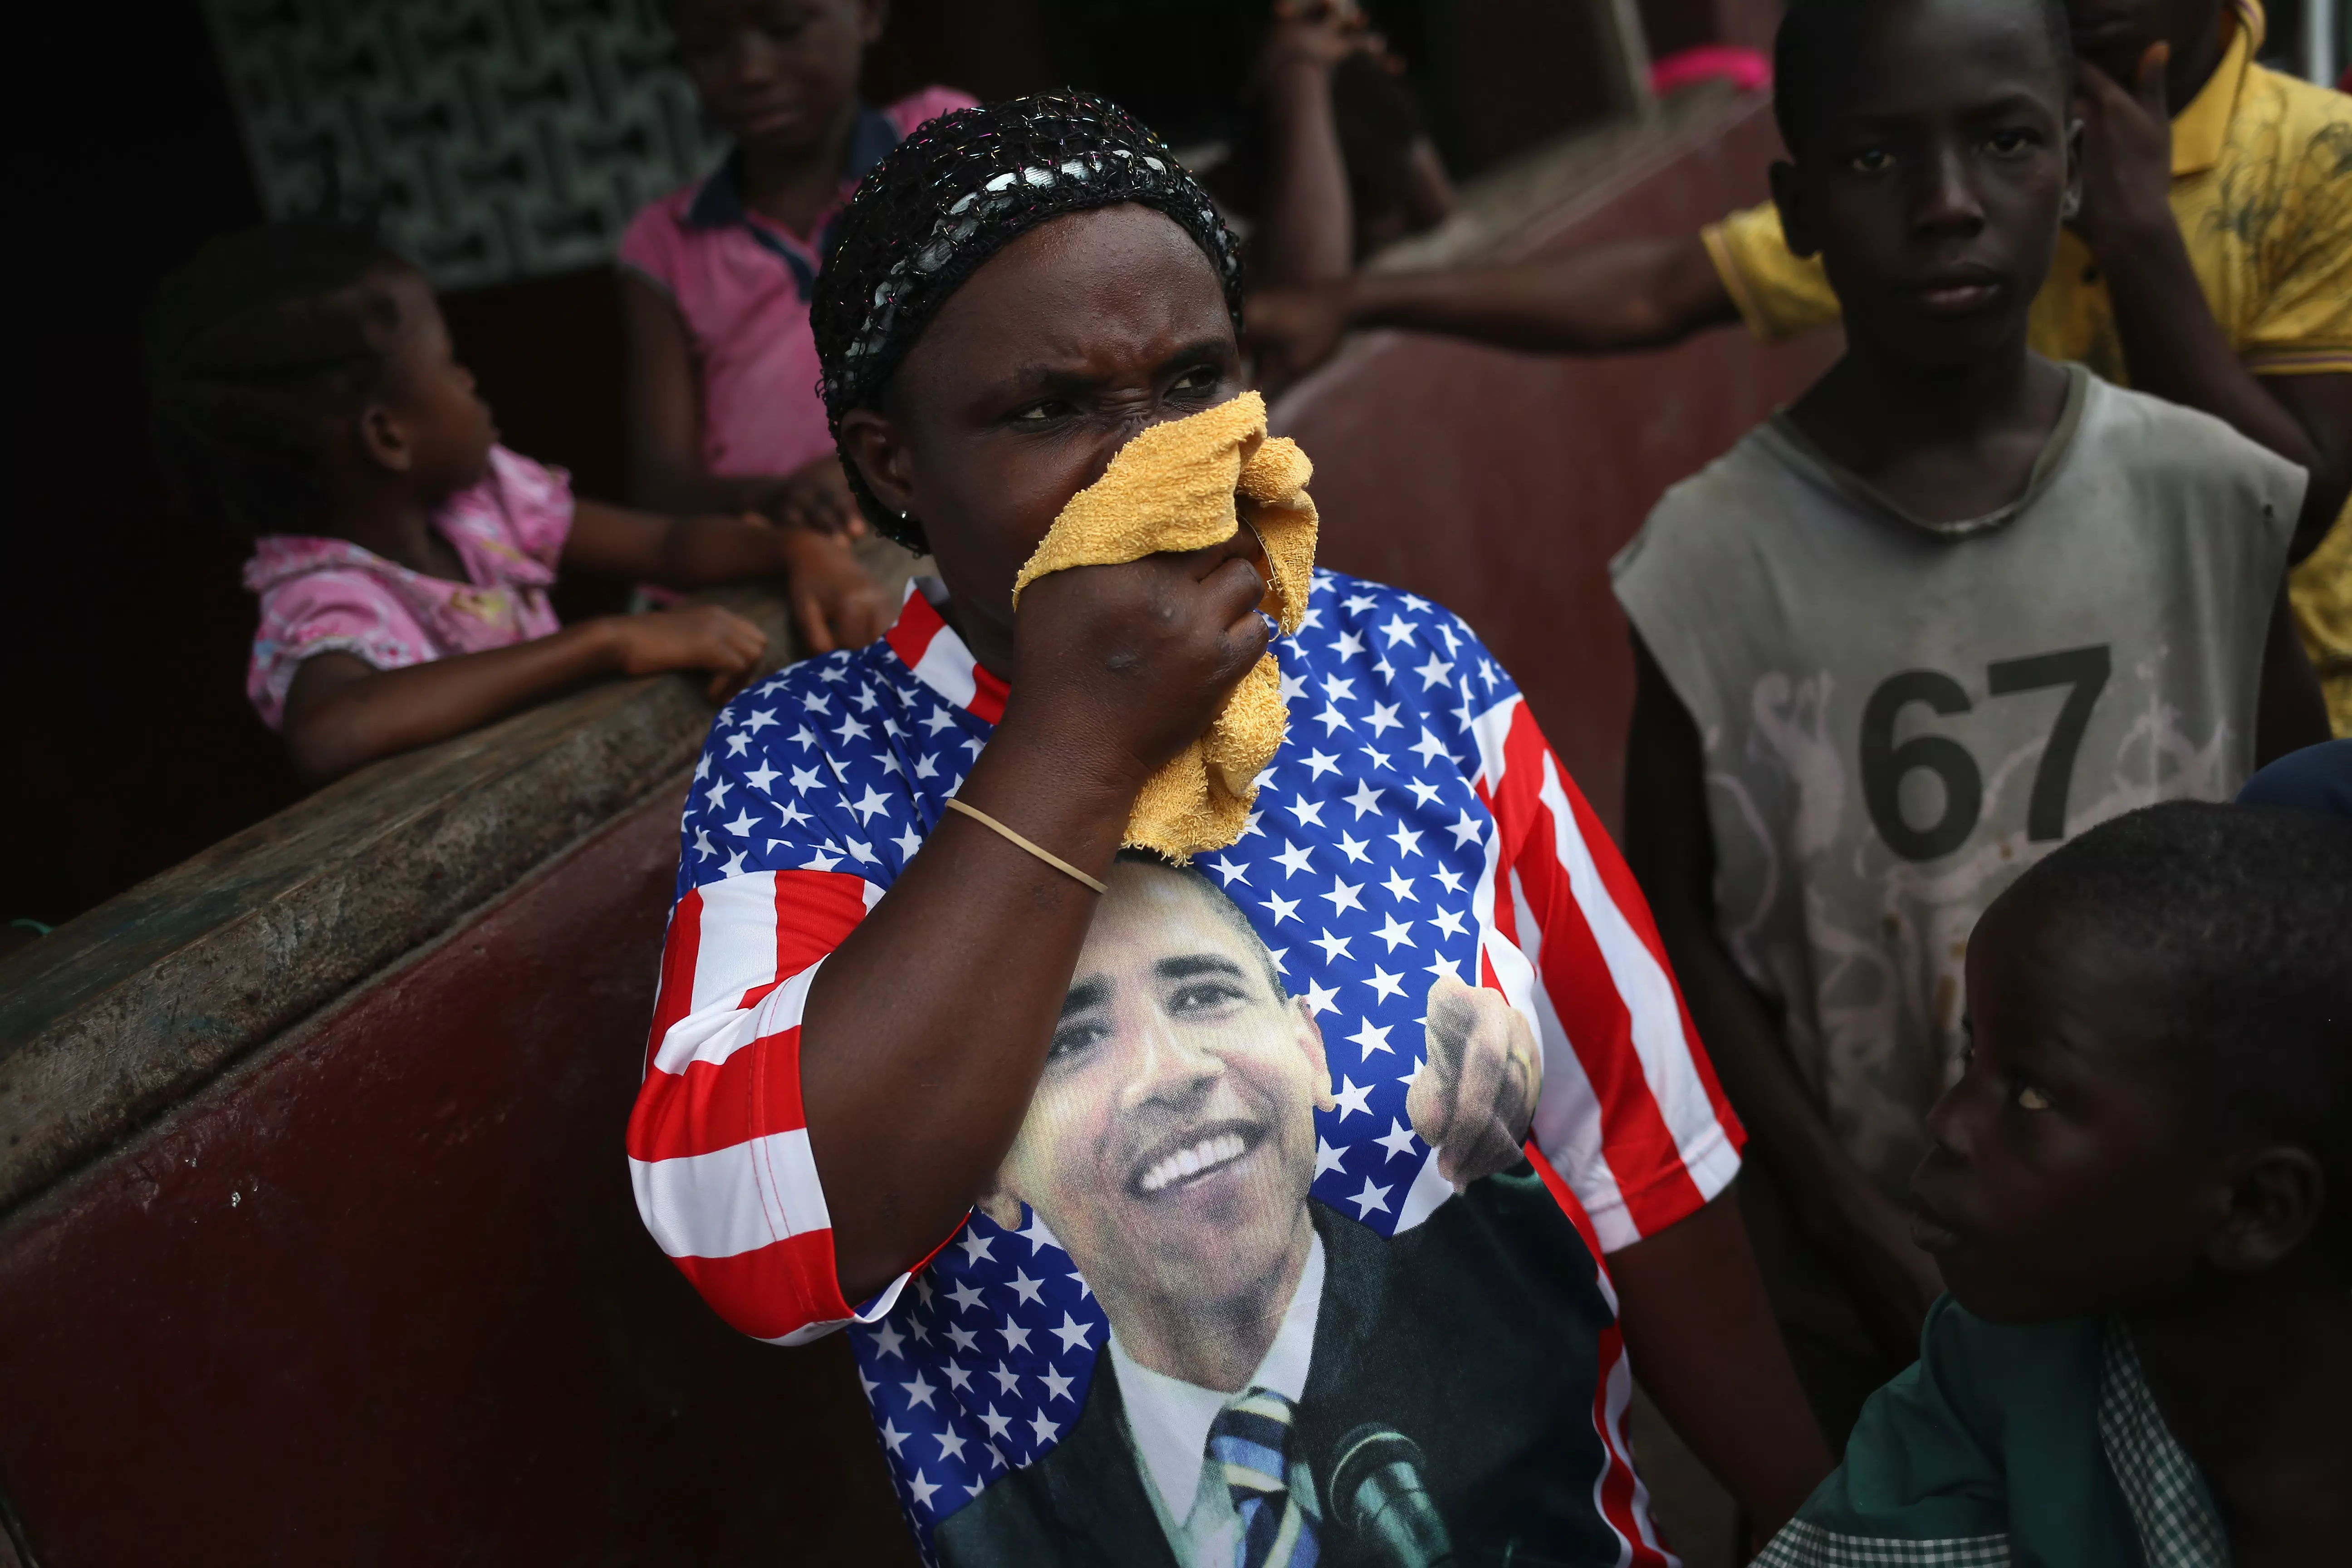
<point>1794,229</point>
<point>2277,1198</point>
<point>384,440</point>
<point>869,440</point>
<point>873,15</point>
<point>2074,203</point>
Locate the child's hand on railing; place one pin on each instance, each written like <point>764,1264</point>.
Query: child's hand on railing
<point>814,496</point>
<point>699,636</point>
<point>836,603</point>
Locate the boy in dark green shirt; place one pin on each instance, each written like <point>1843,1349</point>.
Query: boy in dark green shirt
<point>2145,1357</point>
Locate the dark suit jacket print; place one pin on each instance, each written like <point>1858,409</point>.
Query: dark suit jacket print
<point>1475,1334</point>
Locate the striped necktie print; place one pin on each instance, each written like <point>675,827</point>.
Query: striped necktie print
<point>1249,1442</point>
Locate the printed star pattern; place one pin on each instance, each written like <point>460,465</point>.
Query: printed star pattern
<point>982,1366</point>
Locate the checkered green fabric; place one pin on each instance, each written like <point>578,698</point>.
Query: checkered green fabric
<point>1807,1545</point>
<point>2169,1505</point>
<point>2022,1442</point>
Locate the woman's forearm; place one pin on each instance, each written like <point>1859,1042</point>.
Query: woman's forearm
<point>926,1031</point>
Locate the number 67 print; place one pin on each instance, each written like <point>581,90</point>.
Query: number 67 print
<point>1883,763</point>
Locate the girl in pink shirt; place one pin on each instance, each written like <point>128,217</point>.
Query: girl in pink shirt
<point>715,278</point>
<point>305,390</point>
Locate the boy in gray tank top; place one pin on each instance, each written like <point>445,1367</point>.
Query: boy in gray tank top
<point>1954,605</point>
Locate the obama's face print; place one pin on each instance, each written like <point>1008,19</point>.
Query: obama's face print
<point>1172,1140</point>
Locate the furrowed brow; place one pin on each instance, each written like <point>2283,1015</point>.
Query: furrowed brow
<point>1041,379</point>
<point>1210,347</point>
<point>1044,381</point>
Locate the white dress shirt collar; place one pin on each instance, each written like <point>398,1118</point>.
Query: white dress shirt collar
<point>1169,1418</point>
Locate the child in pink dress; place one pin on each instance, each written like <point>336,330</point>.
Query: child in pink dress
<point>716,278</point>
<point>305,391</point>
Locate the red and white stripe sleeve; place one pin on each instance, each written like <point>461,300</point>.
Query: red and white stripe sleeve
<point>719,1147</point>
<point>1631,1115</point>
<point>1618,1492</point>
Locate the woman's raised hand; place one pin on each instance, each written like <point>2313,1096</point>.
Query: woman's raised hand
<point>1120,668</point>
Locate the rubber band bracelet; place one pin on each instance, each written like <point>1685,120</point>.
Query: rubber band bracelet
<point>1039,850</point>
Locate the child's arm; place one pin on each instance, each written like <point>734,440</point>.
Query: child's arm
<point>1699,1330</point>
<point>836,603</point>
<point>1308,230</point>
<point>2172,344</point>
<point>1670,848</point>
<point>665,434</point>
<point>342,713</point>
<point>2290,712</point>
<point>1604,298</point>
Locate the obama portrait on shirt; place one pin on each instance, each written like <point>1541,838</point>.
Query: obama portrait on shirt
<point>1284,1384</point>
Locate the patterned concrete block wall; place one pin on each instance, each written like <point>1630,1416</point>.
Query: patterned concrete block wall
<point>494,139</point>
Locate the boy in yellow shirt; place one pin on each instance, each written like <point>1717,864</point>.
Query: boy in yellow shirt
<point>2210,264</point>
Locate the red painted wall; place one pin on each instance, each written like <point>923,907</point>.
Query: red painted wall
<point>383,1298</point>
<point>1500,484</point>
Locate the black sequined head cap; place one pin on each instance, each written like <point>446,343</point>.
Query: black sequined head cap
<point>954,194</point>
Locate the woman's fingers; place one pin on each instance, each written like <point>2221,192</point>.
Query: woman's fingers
<point>1236,587</point>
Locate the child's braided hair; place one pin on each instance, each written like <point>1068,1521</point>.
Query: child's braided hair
<point>256,347</point>
<point>954,194</point>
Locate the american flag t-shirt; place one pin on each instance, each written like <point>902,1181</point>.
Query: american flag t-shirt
<point>1414,826</point>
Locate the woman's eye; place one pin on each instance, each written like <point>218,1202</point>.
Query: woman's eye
<point>1872,160</point>
<point>1041,412</point>
<point>2032,1098</point>
<point>1205,379</point>
<point>2010,143</point>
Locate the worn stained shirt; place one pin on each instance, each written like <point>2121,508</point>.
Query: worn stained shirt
<point>742,282</point>
<point>2262,185</point>
<point>2034,1444</point>
<point>1899,716</point>
<point>321,595</point>
<point>1414,825</point>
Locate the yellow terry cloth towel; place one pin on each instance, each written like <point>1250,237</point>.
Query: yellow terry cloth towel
<point>1184,486</point>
